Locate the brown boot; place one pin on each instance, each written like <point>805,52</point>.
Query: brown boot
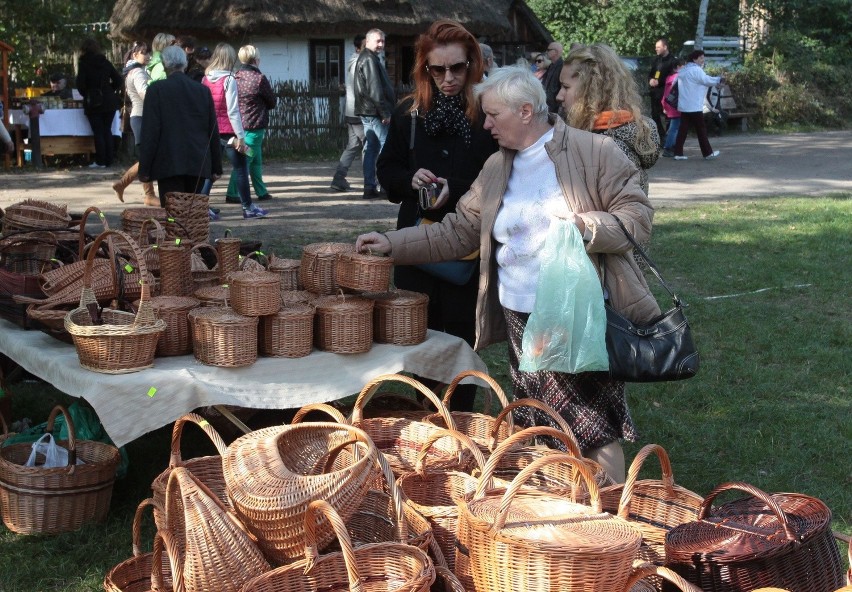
<point>126,179</point>
<point>151,198</point>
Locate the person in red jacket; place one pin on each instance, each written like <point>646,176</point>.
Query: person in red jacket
<point>672,114</point>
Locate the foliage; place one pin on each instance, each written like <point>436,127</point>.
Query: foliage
<point>828,22</point>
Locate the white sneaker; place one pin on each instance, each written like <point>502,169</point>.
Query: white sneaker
<point>95,165</point>
<point>681,157</point>
<point>713,156</point>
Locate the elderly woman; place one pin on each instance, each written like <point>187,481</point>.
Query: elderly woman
<point>544,170</point>
<point>692,84</point>
<point>541,65</point>
<point>448,147</point>
<point>601,96</point>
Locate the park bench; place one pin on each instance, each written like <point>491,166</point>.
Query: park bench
<point>721,97</point>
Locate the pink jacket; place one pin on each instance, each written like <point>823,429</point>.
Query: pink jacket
<point>670,111</point>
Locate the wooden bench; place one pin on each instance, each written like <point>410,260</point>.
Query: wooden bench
<point>722,97</point>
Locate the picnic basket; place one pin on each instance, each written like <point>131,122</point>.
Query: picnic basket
<point>343,324</point>
<point>399,317</point>
<point>135,574</point>
<point>289,333</point>
<point>222,337</point>
<point>288,270</point>
<point>377,567</point>
<point>781,540</point>
<point>362,272</point>
<point>317,272</point>
<point>122,342</point>
<point>255,293</point>
<point>546,541</point>
<point>39,500</point>
<point>272,474</point>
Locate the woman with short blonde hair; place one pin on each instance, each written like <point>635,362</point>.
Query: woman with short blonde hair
<point>155,66</point>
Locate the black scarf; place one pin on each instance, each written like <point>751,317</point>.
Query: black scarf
<point>447,116</point>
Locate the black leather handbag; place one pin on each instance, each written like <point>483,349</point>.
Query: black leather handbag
<point>659,351</point>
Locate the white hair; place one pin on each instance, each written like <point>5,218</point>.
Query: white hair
<point>515,86</point>
<point>174,58</point>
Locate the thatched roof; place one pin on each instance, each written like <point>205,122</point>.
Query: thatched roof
<point>230,18</point>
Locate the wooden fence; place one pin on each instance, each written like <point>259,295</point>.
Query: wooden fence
<point>308,120</point>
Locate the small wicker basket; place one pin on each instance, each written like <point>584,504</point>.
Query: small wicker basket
<point>133,218</point>
<point>344,324</point>
<point>228,249</point>
<point>318,269</point>
<point>176,340</point>
<point>202,275</point>
<point>363,273</point>
<point>214,295</point>
<point>288,269</point>
<point>289,333</point>
<point>289,297</point>
<point>33,214</point>
<point>255,293</point>
<point>399,317</point>
<point>175,270</point>
<point>221,337</point>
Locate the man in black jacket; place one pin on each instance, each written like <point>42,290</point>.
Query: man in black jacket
<point>374,103</point>
<point>661,67</point>
<point>180,136</point>
<point>550,80</point>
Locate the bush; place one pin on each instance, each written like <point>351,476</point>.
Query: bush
<point>797,105</point>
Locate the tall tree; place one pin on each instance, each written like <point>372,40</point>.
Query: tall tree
<point>702,22</point>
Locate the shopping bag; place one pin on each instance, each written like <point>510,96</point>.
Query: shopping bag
<point>54,454</point>
<point>566,331</point>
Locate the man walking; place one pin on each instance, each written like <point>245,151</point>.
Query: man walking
<point>661,67</point>
<point>550,80</point>
<point>354,127</point>
<point>374,102</point>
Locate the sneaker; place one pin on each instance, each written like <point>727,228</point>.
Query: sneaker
<point>95,165</point>
<point>255,212</point>
<point>681,157</point>
<point>371,193</point>
<point>340,184</point>
<point>713,156</point>
<point>215,210</point>
<point>214,216</point>
<point>266,197</point>
<point>668,153</point>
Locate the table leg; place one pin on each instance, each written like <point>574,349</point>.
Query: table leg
<point>226,413</point>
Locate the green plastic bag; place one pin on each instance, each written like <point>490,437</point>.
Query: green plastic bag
<point>566,331</point>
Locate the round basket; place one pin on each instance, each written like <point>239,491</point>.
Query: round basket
<point>289,333</point>
<point>33,214</point>
<point>39,500</point>
<point>291,297</point>
<point>399,317</point>
<point>288,269</point>
<point>255,293</point>
<point>214,295</point>
<point>317,271</point>
<point>363,273</point>
<point>122,342</point>
<point>176,340</point>
<point>222,337</point>
<point>253,262</point>
<point>132,220</point>
<point>343,324</point>
<point>228,249</point>
<point>51,317</point>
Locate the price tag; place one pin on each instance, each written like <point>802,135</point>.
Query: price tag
<point>152,391</point>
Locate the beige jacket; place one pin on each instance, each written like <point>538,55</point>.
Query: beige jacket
<point>599,182</point>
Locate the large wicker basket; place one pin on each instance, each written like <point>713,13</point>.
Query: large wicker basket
<point>289,333</point>
<point>38,500</point>
<point>399,317</point>
<point>255,293</point>
<point>176,340</point>
<point>363,273</point>
<point>222,337</point>
<point>124,342</point>
<point>343,324</point>
<point>176,269</point>
<point>318,271</point>
<point>140,572</point>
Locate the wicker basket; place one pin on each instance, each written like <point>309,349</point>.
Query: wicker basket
<point>290,297</point>
<point>135,574</point>
<point>254,261</point>
<point>151,250</point>
<point>214,295</point>
<point>343,324</point>
<point>38,500</point>
<point>189,216</point>
<point>304,411</point>
<point>319,264</point>
<point>175,270</point>
<point>399,317</point>
<point>645,578</point>
<point>202,275</point>
<point>228,249</point>
<point>255,293</point>
<point>27,253</point>
<point>272,475</point>
<point>545,541</point>
<point>133,218</point>
<point>124,342</point>
<point>289,333</point>
<point>33,214</point>
<point>380,567</point>
<point>363,273</point>
<point>288,269</point>
<point>50,318</point>
<point>221,337</point>
<point>781,540</point>
<point>176,340</point>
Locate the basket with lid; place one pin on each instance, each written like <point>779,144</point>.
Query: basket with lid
<point>288,269</point>
<point>289,333</point>
<point>343,324</point>
<point>176,340</point>
<point>399,317</point>
<point>318,270</point>
<point>363,272</point>
<point>214,295</point>
<point>255,293</point>
<point>223,337</point>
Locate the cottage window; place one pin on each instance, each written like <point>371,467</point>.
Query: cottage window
<point>327,67</point>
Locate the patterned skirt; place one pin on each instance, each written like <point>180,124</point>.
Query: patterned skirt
<point>590,402</point>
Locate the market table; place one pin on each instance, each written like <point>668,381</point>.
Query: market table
<point>63,131</point>
<point>131,405</point>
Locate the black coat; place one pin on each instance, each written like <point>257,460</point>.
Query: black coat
<point>661,67</point>
<point>180,135</point>
<point>374,95</point>
<point>446,156</point>
<point>98,81</point>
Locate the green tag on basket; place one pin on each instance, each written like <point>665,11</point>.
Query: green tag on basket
<point>152,391</point>
<point>260,253</point>
<point>128,268</point>
<point>155,246</point>
<point>101,215</point>
<point>177,241</point>
<point>203,423</point>
<point>170,219</point>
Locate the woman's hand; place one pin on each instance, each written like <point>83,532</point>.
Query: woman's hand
<point>373,242</point>
<point>443,196</point>
<point>421,178</point>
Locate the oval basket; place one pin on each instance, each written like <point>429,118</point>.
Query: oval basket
<point>289,333</point>
<point>288,269</point>
<point>124,342</point>
<point>176,340</point>
<point>363,273</point>
<point>255,293</point>
<point>399,317</point>
<point>317,271</point>
<point>39,500</point>
<point>343,324</point>
<point>33,214</point>
<point>222,337</point>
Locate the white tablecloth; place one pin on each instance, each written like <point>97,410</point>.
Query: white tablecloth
<point>62,122</point>
<point>127,410</point>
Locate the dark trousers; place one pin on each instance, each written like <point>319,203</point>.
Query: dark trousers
<point>102,131</point>
<point>692,119</point>
<point>657,112</point>
<point>178,184</point>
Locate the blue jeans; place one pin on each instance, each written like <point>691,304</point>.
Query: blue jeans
<point>671,135</point>
<point>240,174</point>
<point>375,134</point>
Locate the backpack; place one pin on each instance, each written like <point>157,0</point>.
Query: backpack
<point>671,98</point>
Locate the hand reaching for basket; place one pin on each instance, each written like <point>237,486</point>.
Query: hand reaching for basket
<point>373,242</point>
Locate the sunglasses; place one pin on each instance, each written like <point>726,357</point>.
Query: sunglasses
<point>539,61</point>
<point>441,71</point>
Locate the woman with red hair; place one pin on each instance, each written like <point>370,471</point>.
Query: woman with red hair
<point>436,138</point>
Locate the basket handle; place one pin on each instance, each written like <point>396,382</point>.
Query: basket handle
<point>159,233</point>
<point>258,255</point>
<point>199,246</point>
<point>767,499</point>
<point>72,433</point>
<point>667,477</point>
<point>451,582</point>
<point>137,522</point>
<point>643,569</point>
<point>302,413</point>
<point>175,460</point>
<point>518,482</point>
<point>165,539</point>
<point>81,244</point>
<point>373,386</point>
<point>311,551</point>
<point>464,439</point>
<point>540,405</point>
<point>495,388</point>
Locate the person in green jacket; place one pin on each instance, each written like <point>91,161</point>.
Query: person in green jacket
<point>155,66</point>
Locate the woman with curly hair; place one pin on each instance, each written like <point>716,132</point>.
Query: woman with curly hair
<point>600,96</point>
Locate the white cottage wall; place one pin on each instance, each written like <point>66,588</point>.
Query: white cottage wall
<point>288,58</point>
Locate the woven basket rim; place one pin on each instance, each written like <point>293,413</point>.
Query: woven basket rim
<point>220,315</point>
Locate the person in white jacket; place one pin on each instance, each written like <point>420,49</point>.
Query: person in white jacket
<point>692,83</point>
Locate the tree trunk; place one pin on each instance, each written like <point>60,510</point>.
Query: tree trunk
<point>702,21</point>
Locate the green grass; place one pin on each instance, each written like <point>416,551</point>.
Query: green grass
<point>771,405</point>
